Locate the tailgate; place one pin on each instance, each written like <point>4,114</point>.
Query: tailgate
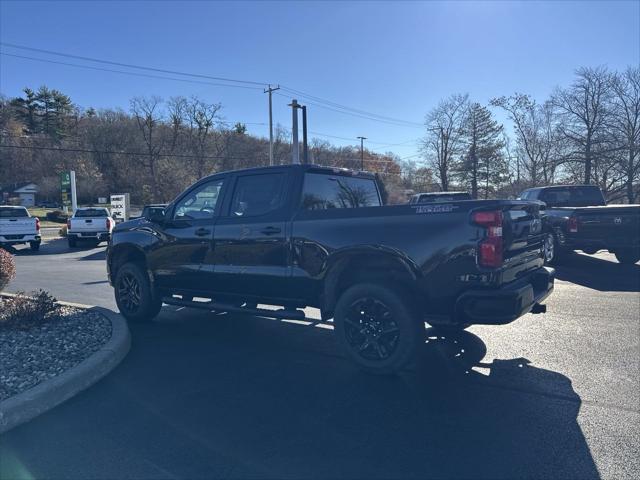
<point>79,225</point>
<point>604,223</point>
<point>18,226</point>
<point>519,240</point>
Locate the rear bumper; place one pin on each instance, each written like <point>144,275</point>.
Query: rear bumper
<point>14,240</point>
<point>613,241</point>
<point>599,244</point>
<point>511,301</point>
<point>102,236</point>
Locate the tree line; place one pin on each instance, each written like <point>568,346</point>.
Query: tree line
<point>587,132</point>
<point>153,150</point>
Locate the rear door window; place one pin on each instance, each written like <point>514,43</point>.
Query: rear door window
<point>257,195</point>
<point>324,192</point>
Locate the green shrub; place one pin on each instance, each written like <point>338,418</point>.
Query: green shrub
<point>7,268</point>
<point>24,311</point>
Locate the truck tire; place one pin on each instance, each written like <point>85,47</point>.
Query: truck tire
<point>137,299</point>
<point>35,246</point>
<point>552,252</point>
<point>627,256</point>
<point>72,242</point>
<point>378,328</point>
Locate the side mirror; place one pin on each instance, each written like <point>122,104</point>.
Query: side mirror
<point>156,215</point>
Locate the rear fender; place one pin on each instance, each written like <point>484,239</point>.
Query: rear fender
<point>373,264</point>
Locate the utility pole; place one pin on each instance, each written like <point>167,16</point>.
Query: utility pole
<point>305,149</point>
<point>295,148</point>
<point>270,90</point>
<point>362,139</point>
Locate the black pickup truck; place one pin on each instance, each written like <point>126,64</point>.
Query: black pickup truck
<point>299,235</point>
<point>577,217</point>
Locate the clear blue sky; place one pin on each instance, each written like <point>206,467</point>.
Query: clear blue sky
<point>394,59</point>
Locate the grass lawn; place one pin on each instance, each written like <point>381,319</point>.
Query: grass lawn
<point>41,213</point>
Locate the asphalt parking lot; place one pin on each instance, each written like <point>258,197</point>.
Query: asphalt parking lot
<point>205,395</point>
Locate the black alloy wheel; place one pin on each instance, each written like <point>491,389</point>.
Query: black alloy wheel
<point>370,329</point>
<point>129,293</point>
<point>379,327</point>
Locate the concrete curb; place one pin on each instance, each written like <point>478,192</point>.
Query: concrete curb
<point>46,395</point>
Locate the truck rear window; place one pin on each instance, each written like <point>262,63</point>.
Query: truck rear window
<point>572,197</point>
<point>92,212</point>
<point>323,192</point>
<point>13,212</point>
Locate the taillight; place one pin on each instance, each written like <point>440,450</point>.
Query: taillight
<point>68,224</point>
<point>108,224</point>
<point>490,249</point>
<point>572,224</point>
<point>37,224</point>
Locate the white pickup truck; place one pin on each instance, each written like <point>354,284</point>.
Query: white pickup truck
<point>17,226</point>
<point>89,223</point>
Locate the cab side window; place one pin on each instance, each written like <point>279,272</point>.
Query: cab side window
<point>258,194</point>
<point>200,203</point>
<point>325,192</point>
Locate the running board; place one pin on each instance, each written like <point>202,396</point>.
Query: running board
<point>223,307</point>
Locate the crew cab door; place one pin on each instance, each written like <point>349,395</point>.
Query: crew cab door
<point>249,255</point>
<point>186,237</point>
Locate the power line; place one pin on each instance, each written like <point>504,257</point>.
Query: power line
<point>344,112</point>
<point>114,152</point>
<point>354,110</point>
<point>123,72</point>
<point>319,101</point>
<point>144,154</point>
<point>130,65</point>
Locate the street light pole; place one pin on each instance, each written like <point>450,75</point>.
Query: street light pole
<point>362,139</point>
<point>270,90</point>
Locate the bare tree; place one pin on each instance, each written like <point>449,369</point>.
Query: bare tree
<point>442,141</point>
<point>625,123</point>
<point>148,115</point>
<point>583,111</point>
<point>538,149</point>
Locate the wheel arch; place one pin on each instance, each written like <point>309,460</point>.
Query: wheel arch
<point>367,265</point>
<point>125,253</point>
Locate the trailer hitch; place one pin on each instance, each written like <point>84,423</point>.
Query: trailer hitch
<point>539,308</point>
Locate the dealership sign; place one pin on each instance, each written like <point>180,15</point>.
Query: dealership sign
<point>120,207</point>
<point>68,190</point>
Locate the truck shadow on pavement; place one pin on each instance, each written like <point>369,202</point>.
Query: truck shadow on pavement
<point>204,395</point>
<point>599,274</point>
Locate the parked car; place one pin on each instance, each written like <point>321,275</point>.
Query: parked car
<point>91,224</point>
<point>439,197</point>
<point>17,226</point>
<point>47,204</point>
<point>302,235</point>
<point>577,217</point>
